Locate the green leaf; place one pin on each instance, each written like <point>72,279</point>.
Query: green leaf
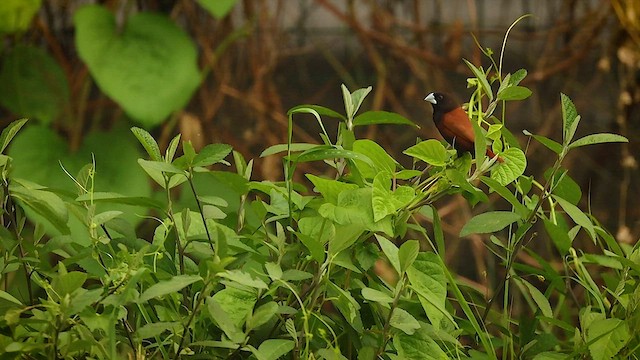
<point>44,203</point>
<point>16,15</point>
<point>494,185</point>
<point>116,198</point>
<point>377,296</point>
<point>354,208</point>
<point>565,187</point>
<point>32,84</point>
<point>346,304</point>
<point>402,320</point>
<point>244,278</point>
<point>152,330</point>
<point>428,280</point>
<point>570,119</point>
<point>330,189</point>
<point>321,110</point>
<point>166,287</point>
<point>550,144</point>
<point>407,254</point>
<point>273,349</point>
<point>316,232</point>
<point>219,314</point>
<point>9,132</point>
<point>149,67</point>
<point>10,298</point>
<point>160,166</point>
<point>212,154</point>
<point>598,139</point>
<point>328,152</point>
<point>419,346</point>
<point>489,222</point>
<point>480,75</point>
<point>606,337</point>
<point>430,151</point>
<point>262,315</point>
<point>559,236</point>
<point>513,166</point>
<point>295,147</point>
<point>67,283</point>
<point>148,143</point>
<point>381,117</point>
<point>391,251</point>
<point>218,8</point>
<point>538,297</point>
<point>517,77</point>
<point>381,160</point>
<point>578,217</point>
<point>381,202</point>
<point>357,98</point>
<point>514,93</point>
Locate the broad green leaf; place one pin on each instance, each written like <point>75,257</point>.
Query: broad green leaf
<point>218,8</point>
<point>428,280</point>
<point>321,110</point>
<point>152,330</point>
<point>316,232</point>
<point>480,75</point>
<point>381,117</point>
<point>430,151</point>
<point>514,93</point>
<point>106,216</point>
<point>16,15</point>
<point>570,119</point>
<point>606,337</point>
<point>10,298</point>
<point>381,202</point>
<point>550,144</point>
<point>377,296</point>
<point>513,166</point>
<point>295,147</point>
<point>407,254</point>
<point>148,143</point>
<point>32,84</point>
<point>262,315</point>
<point>160,166</point>
<point>212,154</point>
<point>598,139</point>
<point>273,349</point>
<point>402,320</point>
<point>9,132</point>
<point>419,346</point>
<point>354,208</point>
<point>44,203</point>
<point>67,283</point>
<point>330,189</point>
<point>538,298</point>
<point>378,156</point>
<point>244,278</point>
<point>349,234</point>
<point>237,303</point>
<point>489,222</point>
<point>219,311</point>
<point>578,216</point>
<point>149,67</point>
<point>166,287</point>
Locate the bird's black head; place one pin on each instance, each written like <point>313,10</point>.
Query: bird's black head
<point>442,103</point>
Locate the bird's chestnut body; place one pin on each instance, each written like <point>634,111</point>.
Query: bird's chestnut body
<point>453,123</point>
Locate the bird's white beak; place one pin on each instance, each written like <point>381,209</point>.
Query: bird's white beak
<point>431,98</point>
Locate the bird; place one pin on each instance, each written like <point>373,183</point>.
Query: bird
<point>453,123</point>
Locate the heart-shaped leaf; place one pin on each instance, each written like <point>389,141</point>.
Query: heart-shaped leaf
<point>149,67</point>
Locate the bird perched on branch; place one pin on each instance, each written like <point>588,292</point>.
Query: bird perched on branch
<point>453,123</point>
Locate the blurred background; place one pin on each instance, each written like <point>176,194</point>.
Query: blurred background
<point>228,71</point>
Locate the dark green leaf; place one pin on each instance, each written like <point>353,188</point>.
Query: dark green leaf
<point>9,132</point>
<point>321,110</point>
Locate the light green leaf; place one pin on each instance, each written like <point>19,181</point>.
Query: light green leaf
<point>514,93</point>
<point>320,110</point>
<point>606,337</point>
<point>152,330</point>
<point>377,296</point>
<point>578,216</point>
<point>402,320</point>
<point>428,280</point>
<point>244,278</point>
<point>326,152</point>
<point>9,132</point>
<point>148,142</point>
<point>480,75</point>
<point>295,147</point>
<point>357,98</point>
<point>598,139</point>
<point>550,144</point>
<point>149,66</point>
<point>379,157</point>
<point>430,151</point>
<point>212,154</point>
<point>16,15</point>
<point>330,189</point>
<point>391,251</point>
<point>419,346</point>
<point>262,315</point>
<point>381,117</point>
<point>166,287</point>
<point>513,166</point>
<point>273,349</point>
<point>538,297</point>
<point>489,222</point>
<point>407,254</point>
<point>218,8</point>
<point>570,118</point>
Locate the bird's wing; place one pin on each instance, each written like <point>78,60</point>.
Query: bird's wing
<point>456,124</point>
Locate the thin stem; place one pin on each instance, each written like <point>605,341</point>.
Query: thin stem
<point>204,220</point>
